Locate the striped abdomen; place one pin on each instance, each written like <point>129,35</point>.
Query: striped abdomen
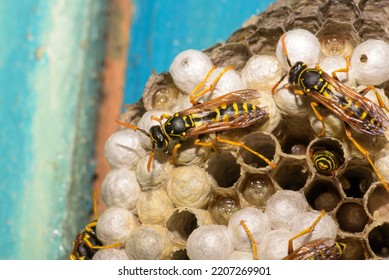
<point>326,162</point>
<point>229,112</point>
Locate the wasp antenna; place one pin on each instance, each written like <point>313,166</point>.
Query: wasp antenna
<point>273,90</point>
<point>285,50</point>
<point>133,127</point>
<point>150,159</point>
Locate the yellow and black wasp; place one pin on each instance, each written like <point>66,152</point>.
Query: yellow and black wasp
<point>86,243</point>
<point>357,111</point>
<point>226,112</point>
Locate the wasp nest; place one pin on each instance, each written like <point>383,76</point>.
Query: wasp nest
<point>275,175</point>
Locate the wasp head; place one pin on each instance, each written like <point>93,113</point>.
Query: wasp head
<point>158,137</point>
<point>294,72</point>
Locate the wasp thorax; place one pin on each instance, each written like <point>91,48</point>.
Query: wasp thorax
<point>176,126</point>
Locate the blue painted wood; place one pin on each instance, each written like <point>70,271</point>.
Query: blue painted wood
<point>50,61</point>
<point>163,28</point>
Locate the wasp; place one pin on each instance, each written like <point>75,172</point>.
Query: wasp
<point>226,112</point>
<point>357,111</point>
<point>86,243</point>
<point>326,162</point>
<point>319,249</point>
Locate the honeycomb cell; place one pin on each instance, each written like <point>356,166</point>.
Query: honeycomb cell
<point>323,194</point>
<point>296,142</point>
<point>355,249</point>
<point>183,221</point>
<point>256,189</point>
<point>221,164</point>
<point>223,206</point>
<point>377,202</point>
<point>326,156</point>
<point>356,180</point>
<point>378,240</point>
<point>262,143</point>
<point>337,38</point>
<point>160,92</point>
<point>291,174</point>
<point>351,217</point>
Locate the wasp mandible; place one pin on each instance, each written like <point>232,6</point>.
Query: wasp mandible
<point>86,244</point>
<point>357,111</point>
<point>226,112</point>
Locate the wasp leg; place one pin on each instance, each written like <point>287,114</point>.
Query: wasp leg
<point>195,94</point>
<point>240,144</point>
<point>174,152</point>
<point>320,118</point>
<point>199,86</point>
<point>344,70</point>
<point>286,86</point>
<point>206,144</point>
<point>253,242</point>
<point>151,158</point>
<point>163,116</point>
<point>285,50</point>
<point>366,154</point>
<point>305,231</point>
<point>94,247</point>
<point>379,98</point>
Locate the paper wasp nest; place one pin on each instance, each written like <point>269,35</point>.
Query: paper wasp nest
<point>192,199</point>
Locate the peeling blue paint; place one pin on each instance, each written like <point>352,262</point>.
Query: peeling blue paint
<point>49,71</point>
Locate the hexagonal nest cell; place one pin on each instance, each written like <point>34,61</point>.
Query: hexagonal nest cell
<point>272,143</point>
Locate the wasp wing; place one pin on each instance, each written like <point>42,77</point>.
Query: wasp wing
<point>240,121</point>
<point>232,97</point>
<point>358,124</point>
<point>319,249</point>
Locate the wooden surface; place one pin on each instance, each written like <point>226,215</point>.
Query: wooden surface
<point>51,75</point>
